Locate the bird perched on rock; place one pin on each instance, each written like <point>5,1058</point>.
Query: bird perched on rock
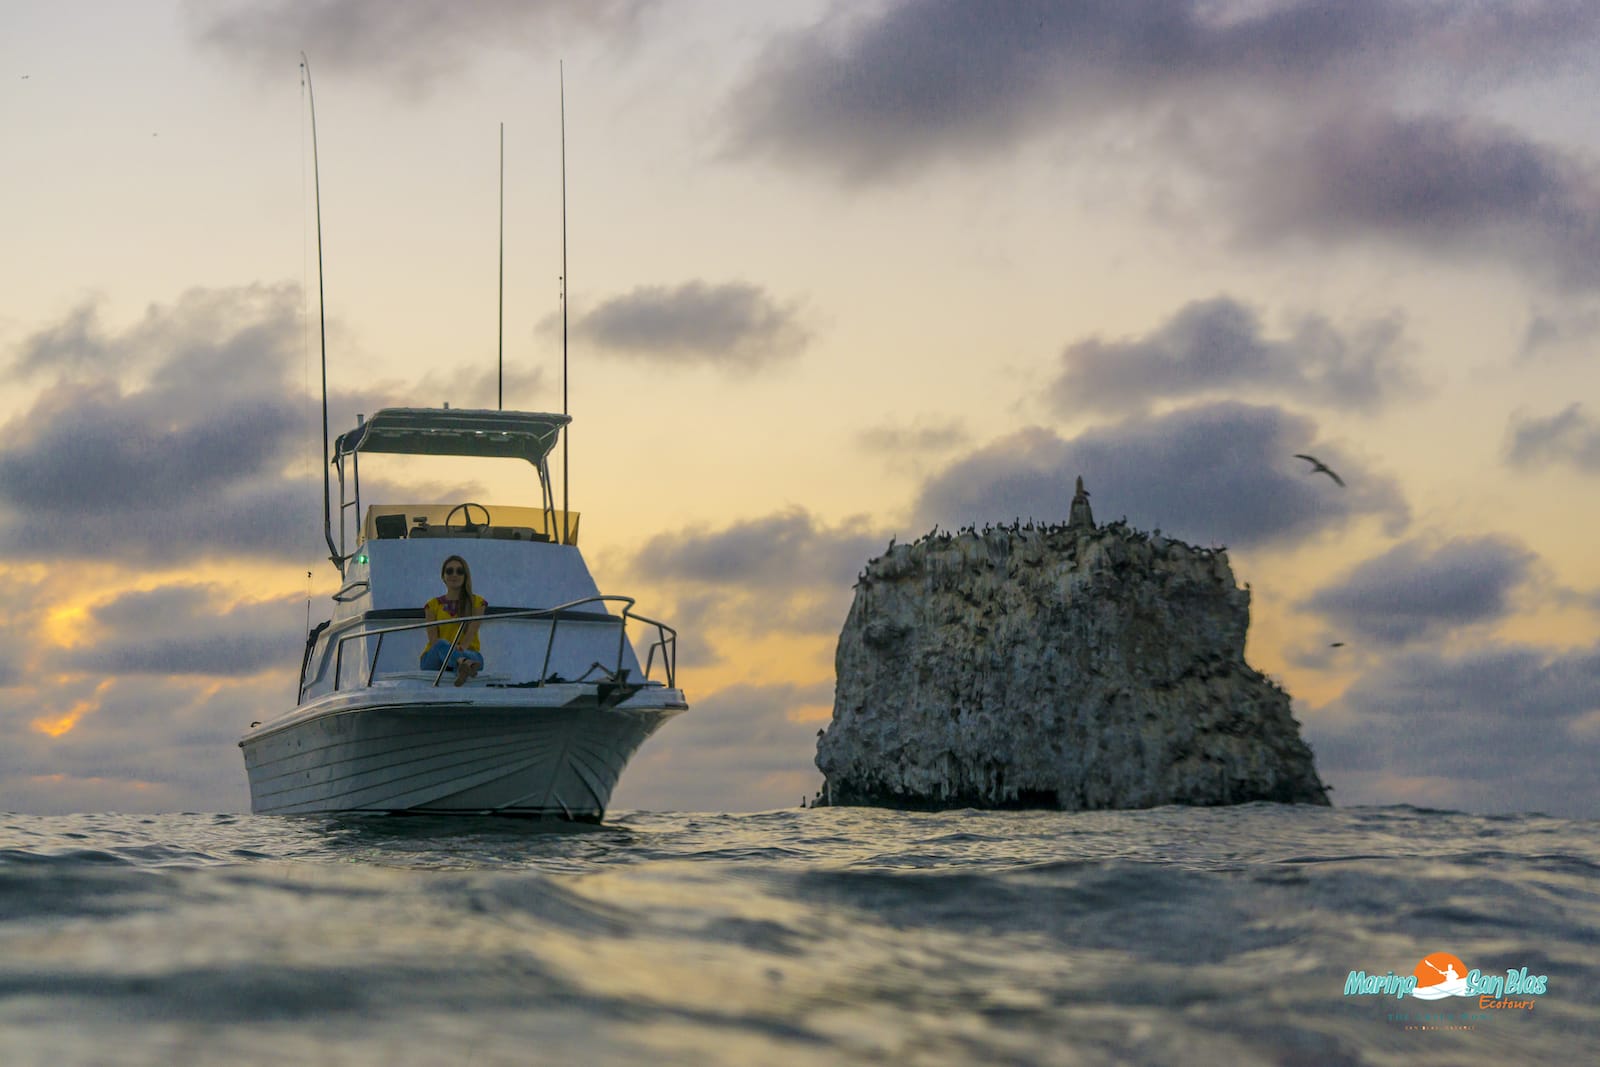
<point>1319,467</point>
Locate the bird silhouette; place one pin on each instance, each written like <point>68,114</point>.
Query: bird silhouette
<point>1319,467</point>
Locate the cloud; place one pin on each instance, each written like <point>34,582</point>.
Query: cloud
<point>1288,120</point>
<point>140,743</point>
<point>180,437</point>
<point>73,345</point>
<point>739,749</point>
<point>731,325</point>
<point>1221,473</point>
<point>877,95</point>
<point>869,96</point>
<point>185,629</point>
<point>1499,729</point>
<point>789,549</point>
<point>166,440</point>
<point>785,571</point>
<point>1567,437</point>
<point>409,45</point>
<point>1218,346</point>
<point>1417,590</point>
<point>1560,329</point>
<point>1441,182</point>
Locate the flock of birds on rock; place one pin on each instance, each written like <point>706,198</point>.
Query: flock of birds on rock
<point>1031,526</point>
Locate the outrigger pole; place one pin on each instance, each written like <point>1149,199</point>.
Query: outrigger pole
<point>322,317</point>
<point>502,351</point>
<point>566,516</point>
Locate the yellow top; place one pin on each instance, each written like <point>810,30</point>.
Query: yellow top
<point>435,611</point>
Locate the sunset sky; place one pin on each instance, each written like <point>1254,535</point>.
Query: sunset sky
<point>838,272</point>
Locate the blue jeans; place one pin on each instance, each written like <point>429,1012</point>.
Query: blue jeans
<point>434,658</point>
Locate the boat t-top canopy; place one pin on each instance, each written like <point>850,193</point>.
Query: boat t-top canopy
<point>455,432</point>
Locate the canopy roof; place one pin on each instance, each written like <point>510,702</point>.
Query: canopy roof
<point>455,432</point>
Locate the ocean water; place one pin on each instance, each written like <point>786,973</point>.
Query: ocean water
<point>823,936</point>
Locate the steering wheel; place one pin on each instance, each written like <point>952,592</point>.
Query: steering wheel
<point>466,516</point>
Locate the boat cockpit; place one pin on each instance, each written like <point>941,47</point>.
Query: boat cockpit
<point>546,618</point>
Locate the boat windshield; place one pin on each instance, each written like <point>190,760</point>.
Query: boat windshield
<point>496,521</point>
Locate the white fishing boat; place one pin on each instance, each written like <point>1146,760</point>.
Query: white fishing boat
<point>562,702</point>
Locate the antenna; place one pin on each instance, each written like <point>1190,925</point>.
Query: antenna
<point>566,516</point>
<point>502,354</point>
<point>322,316</point>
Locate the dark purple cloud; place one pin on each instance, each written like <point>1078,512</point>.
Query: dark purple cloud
<point>181,437</point>
<point>187,630</point>
<point>1215,474</point>
<point>1219,346</point>
<point>1569,437</point>
<point>731,325</point>
<point>189,462</point>
<point>782,572</point>
<point>1442,183</point>
<point>121,450</point>
<point>1500,729</point>
<point>873,94</point>
<point>790,549</point>
<point>1295,120</point>
<point>1417,590</point>
<point>904,84</point>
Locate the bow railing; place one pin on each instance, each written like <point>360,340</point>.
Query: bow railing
<point>665,643</point>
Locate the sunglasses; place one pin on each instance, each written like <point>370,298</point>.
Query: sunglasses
<point>455,570</point>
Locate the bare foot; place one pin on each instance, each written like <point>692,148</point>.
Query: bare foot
<point>461,674</point>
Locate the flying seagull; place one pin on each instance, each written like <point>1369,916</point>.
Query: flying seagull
<point>1319,467</point>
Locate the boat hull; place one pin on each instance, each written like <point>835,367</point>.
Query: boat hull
<point>553,751</point>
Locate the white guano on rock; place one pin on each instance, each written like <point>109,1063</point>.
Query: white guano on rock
<point>1067,666</point>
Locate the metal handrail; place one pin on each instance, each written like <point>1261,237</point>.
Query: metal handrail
<point>666,637</point>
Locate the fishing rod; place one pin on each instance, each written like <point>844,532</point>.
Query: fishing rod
<point>566,516</point>
<point>322,317</point>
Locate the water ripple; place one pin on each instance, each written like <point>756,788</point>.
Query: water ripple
<point>805,937</point>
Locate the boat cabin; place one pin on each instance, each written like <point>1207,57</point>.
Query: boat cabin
<point>547,620</point>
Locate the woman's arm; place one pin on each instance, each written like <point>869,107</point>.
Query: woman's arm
<point>479,606</point>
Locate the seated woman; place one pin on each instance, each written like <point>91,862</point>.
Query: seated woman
<point>458,601</point>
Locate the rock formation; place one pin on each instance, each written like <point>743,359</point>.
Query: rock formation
<point>1064,666</point>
